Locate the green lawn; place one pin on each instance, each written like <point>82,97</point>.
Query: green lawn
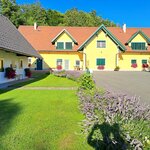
<point>49,81</point>
<point>53,81</point>
<point>41,119</point>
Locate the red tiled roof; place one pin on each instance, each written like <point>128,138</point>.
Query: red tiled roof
<point>41,38</point>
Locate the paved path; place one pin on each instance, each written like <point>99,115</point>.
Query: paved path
<point>131,83</point>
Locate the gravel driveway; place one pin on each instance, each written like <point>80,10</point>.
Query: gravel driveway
<point>131,83</point>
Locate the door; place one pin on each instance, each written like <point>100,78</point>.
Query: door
<point>66,64</point>
<point>39,64</point>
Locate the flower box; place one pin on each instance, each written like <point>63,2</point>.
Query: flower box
<point>145,66</point>
<point>134,65</point>
<point>100,67</point>
<point>59,67</point>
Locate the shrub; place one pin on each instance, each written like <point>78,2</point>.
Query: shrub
<point>86,82</point>
<point>10,73</point>
<point>27,72</point>
<point>74,75</point>
<point>61,73</point>
<point>115,121</point>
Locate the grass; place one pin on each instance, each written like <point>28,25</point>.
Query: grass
<point>53,81</point>
<point>41,120</point>
<point>48,81</point>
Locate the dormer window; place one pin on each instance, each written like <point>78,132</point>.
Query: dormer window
<point>60,45</point>
<point>68,45</point>
<point>138,46</point>
<point>64,45</point>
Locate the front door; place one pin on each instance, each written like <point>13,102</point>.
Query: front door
<point>66,64</point>
<point>39,64</point>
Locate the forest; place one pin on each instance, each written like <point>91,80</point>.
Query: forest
<point>27,14</point>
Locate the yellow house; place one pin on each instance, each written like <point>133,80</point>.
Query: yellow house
<point>97,48</point>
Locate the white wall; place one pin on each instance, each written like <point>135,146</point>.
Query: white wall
<point>10,58</point>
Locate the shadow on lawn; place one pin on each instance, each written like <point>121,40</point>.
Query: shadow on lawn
<point>112,139</point>
<point>18,85</point>
<point>8,110</point>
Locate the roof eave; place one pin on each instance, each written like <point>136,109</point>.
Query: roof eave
<point>17,52</point>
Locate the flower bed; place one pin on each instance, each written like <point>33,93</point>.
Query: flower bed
<point>113,121</point>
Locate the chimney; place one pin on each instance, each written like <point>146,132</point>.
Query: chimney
<point>35,25</point>
<point>124,28</point>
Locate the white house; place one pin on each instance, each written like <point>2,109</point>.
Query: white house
<point>14,50</point>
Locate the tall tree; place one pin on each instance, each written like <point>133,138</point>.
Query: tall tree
<point>34,13</point>
<point>11,10</point>
<point>54,18</point>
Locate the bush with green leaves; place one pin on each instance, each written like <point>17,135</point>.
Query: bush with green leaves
<point>115,121</point>
<point>86,82</point>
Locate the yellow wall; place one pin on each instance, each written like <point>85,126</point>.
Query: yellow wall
<point>51,58</point>
<point>125,61</point>
<point>109,53</point>
<point>92,53</point>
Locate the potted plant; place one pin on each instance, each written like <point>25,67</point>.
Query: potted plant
<point>10,73</point>
<point>27,72</point>
<point>117,68</point>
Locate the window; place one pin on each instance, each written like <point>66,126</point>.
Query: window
<point>100,62</point>
<point>77,62</point>
<point>133,61</point>
<point>29,60</point>
<point>60,45</point>
<point>138,46</point>
<point>59,62</point>
<point>20,64</point>
<point>101,44</point>
<point>144,61</point>
<point>1,65</point>
<point>68,45</point>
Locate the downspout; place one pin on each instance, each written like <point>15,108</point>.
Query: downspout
<point>85,60</point>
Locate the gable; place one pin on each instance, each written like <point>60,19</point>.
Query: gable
<point>64,38</point>
<point>139,36</point>
<point>65,34</point>
<point>108,33</point>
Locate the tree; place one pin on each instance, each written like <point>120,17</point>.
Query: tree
<point>11,10</point>
<point>34,13</point>
<point>54,18</point>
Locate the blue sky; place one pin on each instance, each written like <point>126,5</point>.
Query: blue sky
<point>135,13</point>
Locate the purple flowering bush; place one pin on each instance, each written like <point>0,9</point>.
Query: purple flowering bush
<point>73,75</point>
<point>114,121</point>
